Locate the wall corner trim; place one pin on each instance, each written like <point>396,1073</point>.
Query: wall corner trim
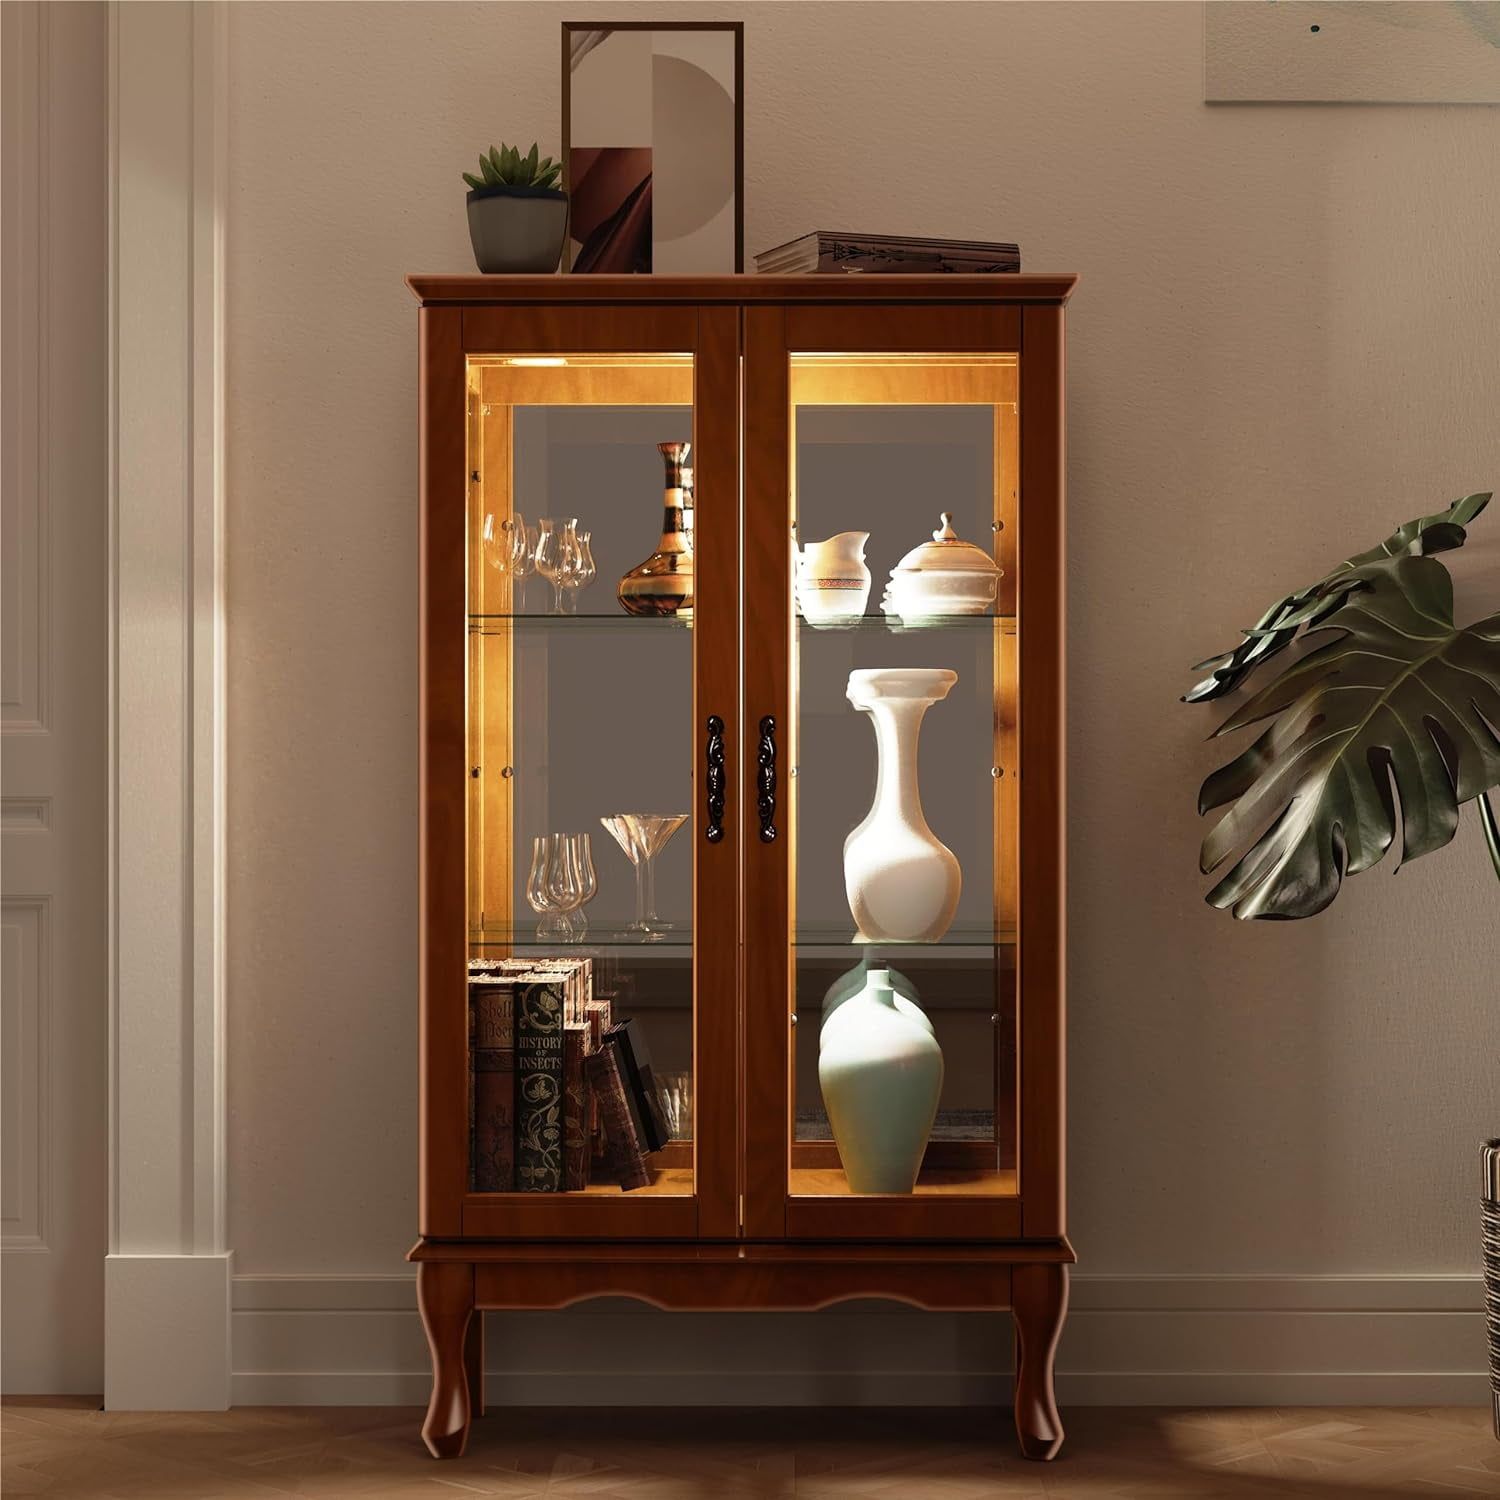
<point>167,1332</point>
<point>168,68</point>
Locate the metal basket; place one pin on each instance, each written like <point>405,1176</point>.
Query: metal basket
<point>1490,1235</point>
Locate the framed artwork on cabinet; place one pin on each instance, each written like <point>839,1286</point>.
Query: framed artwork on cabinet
<point>653,146</point>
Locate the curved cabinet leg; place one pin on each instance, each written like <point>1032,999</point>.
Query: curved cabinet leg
<point>445,1294</point>
<point>474,1363</point>
<point>1039,1299</point>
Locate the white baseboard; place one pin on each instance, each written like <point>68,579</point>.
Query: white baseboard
<point>1154,1340</point>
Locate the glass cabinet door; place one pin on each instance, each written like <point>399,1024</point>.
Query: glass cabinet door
<point>600,588</point>
<point>892,660</point>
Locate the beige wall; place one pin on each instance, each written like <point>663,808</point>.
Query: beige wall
<point>1283,343</point>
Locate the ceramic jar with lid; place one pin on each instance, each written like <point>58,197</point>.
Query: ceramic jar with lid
<point>946,576</point>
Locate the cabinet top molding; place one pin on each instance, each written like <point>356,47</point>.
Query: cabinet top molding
<point>991,288</point>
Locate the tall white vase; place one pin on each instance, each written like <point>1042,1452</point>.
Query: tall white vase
<point>881,1072</point>
<point>901,880</point>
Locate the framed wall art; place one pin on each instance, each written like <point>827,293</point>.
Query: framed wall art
<point>653,145</point>
<point>1354,52</point>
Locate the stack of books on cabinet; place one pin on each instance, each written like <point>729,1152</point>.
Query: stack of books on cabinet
<point>560,1095</point>
<point>834,251</point>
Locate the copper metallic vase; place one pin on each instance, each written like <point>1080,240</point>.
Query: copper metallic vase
<point>663,584</point>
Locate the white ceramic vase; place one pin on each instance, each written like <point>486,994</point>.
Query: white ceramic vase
<point>881,1071</point>
<point>901,880</point>
<point>833,583</point>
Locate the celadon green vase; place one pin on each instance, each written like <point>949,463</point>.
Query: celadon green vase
<point>881,1071</point>
<point>852,981</point>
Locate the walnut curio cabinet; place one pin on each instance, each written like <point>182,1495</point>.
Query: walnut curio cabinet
<point>814,406</point>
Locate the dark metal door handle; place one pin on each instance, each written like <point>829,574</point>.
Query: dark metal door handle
<point>714,755</point>
<point>765,776</point>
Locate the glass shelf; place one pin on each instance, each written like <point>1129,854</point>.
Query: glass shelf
<point>600,935</point>
<point>495,624</point>
<point>892,625</point>
<point>838,937</point>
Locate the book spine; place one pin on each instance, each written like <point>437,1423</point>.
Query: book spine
<point>539,1086</point>
<point>846,257</point>
<point>494,1121</point>
<point>492,1066</point>
<point>640,1083</point>
<point>596,1014</point>
<point>576,1096</point>
<point>577,987</point>
<point>624,1158</point>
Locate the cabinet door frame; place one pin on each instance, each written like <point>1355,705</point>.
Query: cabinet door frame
<point>772,334</point>
<point>448,335</point>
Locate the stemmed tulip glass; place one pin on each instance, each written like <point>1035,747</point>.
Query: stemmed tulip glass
<point>582,880</point>
<point>641,837</point>
<point>552,552</point>
<point>561,882</point>
<point>578,570</point>
<point>547,895</point>
<point>574,880</point>
<point>507,549</point>
<point>522,559</point>
<point>496,540</point>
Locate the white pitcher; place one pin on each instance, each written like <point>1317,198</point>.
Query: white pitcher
<point>833,582</point>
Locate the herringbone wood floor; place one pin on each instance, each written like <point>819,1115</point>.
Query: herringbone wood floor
<point>65,1449</point>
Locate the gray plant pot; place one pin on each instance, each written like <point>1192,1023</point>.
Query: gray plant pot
<point>518,229</point>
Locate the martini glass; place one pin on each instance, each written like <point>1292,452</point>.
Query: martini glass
<point>641,837</point>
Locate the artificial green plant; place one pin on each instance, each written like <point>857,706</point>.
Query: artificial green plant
<point>1387,726</point>
<point>506,167</point>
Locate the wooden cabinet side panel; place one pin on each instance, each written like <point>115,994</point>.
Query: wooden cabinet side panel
<point>1042,812</point>
<point>443,1021</point>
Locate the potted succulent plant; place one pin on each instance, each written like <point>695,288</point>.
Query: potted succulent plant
<point>518,216</point>
<point>1395,696</point>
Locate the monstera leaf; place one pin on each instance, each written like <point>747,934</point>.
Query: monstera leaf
<point>1384,729</point>
<point>1309,607</point>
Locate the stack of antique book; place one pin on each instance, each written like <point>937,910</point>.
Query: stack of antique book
<point>559,1095</point>
<point>833,250</point>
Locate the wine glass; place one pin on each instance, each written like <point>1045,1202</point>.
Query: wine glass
<point>503,541</point>
<point>495,540</point>
<point>522,559</point>
<point>641,837</point>
<point>539,889</point>
<point>564,882</point>
<point>577,567</point>
<point>588,877</point>
<point>551,556</point>
<point>676,1091</point>
<point>573,881</point>
<point>584,571</point>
